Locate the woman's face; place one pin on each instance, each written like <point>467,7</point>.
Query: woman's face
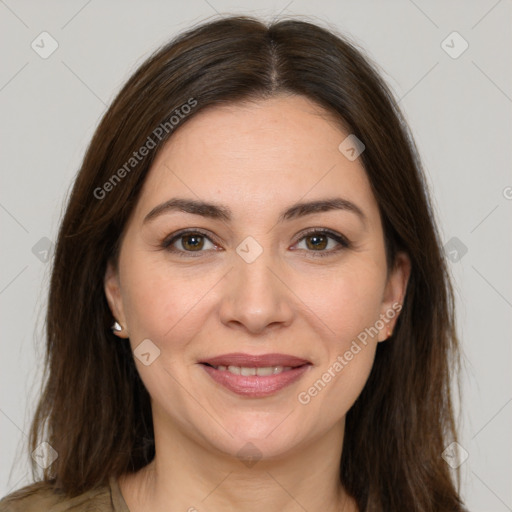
<point>256,275</point>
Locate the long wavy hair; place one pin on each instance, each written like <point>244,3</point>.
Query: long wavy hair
<point>94,409</point>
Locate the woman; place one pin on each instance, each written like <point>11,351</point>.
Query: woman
<point>249,307</point>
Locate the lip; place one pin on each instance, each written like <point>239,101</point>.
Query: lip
<point>256,386</point>
<point>255,361</point>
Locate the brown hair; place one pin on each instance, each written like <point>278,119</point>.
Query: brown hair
<point>95,411</point>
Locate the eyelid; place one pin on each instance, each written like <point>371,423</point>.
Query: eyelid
<point>173,237</point>
<point>342,241</point>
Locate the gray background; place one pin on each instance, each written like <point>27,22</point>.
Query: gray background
<point>459,110</point>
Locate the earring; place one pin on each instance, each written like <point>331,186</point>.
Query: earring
<point>116,327</point>
<point>390,332</point>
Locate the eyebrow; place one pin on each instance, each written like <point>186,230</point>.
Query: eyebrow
<point>223,213</point>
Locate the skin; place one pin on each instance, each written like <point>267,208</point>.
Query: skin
<point>257,159</point>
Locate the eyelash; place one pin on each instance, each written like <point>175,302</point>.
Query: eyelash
<point>343,241</point>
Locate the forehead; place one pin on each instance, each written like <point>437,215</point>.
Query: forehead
<point>255,156</point>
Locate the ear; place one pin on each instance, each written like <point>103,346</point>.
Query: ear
<point>394,294</point>
<point>113,294</point>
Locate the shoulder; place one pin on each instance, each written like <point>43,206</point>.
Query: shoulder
<point>41,497</point>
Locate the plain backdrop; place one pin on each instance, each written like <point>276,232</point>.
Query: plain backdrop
<point>457,100</point>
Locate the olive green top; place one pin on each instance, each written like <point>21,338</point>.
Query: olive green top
<point>104,499</point>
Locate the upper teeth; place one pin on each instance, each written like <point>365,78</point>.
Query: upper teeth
<point>263,371</point>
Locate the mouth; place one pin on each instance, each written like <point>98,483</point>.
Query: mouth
<point>248,371</point>
<point>255,376</point>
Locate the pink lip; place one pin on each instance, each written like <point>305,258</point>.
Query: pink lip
<point>255,361</point>
<point>255,386</point>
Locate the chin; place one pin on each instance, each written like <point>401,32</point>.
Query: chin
<point>257,434</point>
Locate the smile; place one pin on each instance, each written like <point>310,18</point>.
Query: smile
<point>246,371</point>
<point>255,376</point>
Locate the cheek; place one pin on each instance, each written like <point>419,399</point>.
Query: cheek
<point>335,387</point>
<point>165,307</point>
<point>347,300</point>
<point>349,306</point>
<point>346,363</point>
<point>159,301</point>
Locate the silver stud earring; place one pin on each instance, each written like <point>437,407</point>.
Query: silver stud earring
<point>116,327</point>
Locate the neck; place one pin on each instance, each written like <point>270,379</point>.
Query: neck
<point>187,475</point>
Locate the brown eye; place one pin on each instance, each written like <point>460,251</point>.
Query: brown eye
<point>315,242</point>
<point>318,242</point>
<point>186,242</point>
<point>192,242</point>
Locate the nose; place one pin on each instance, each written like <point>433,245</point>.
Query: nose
<point>256,297</point>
